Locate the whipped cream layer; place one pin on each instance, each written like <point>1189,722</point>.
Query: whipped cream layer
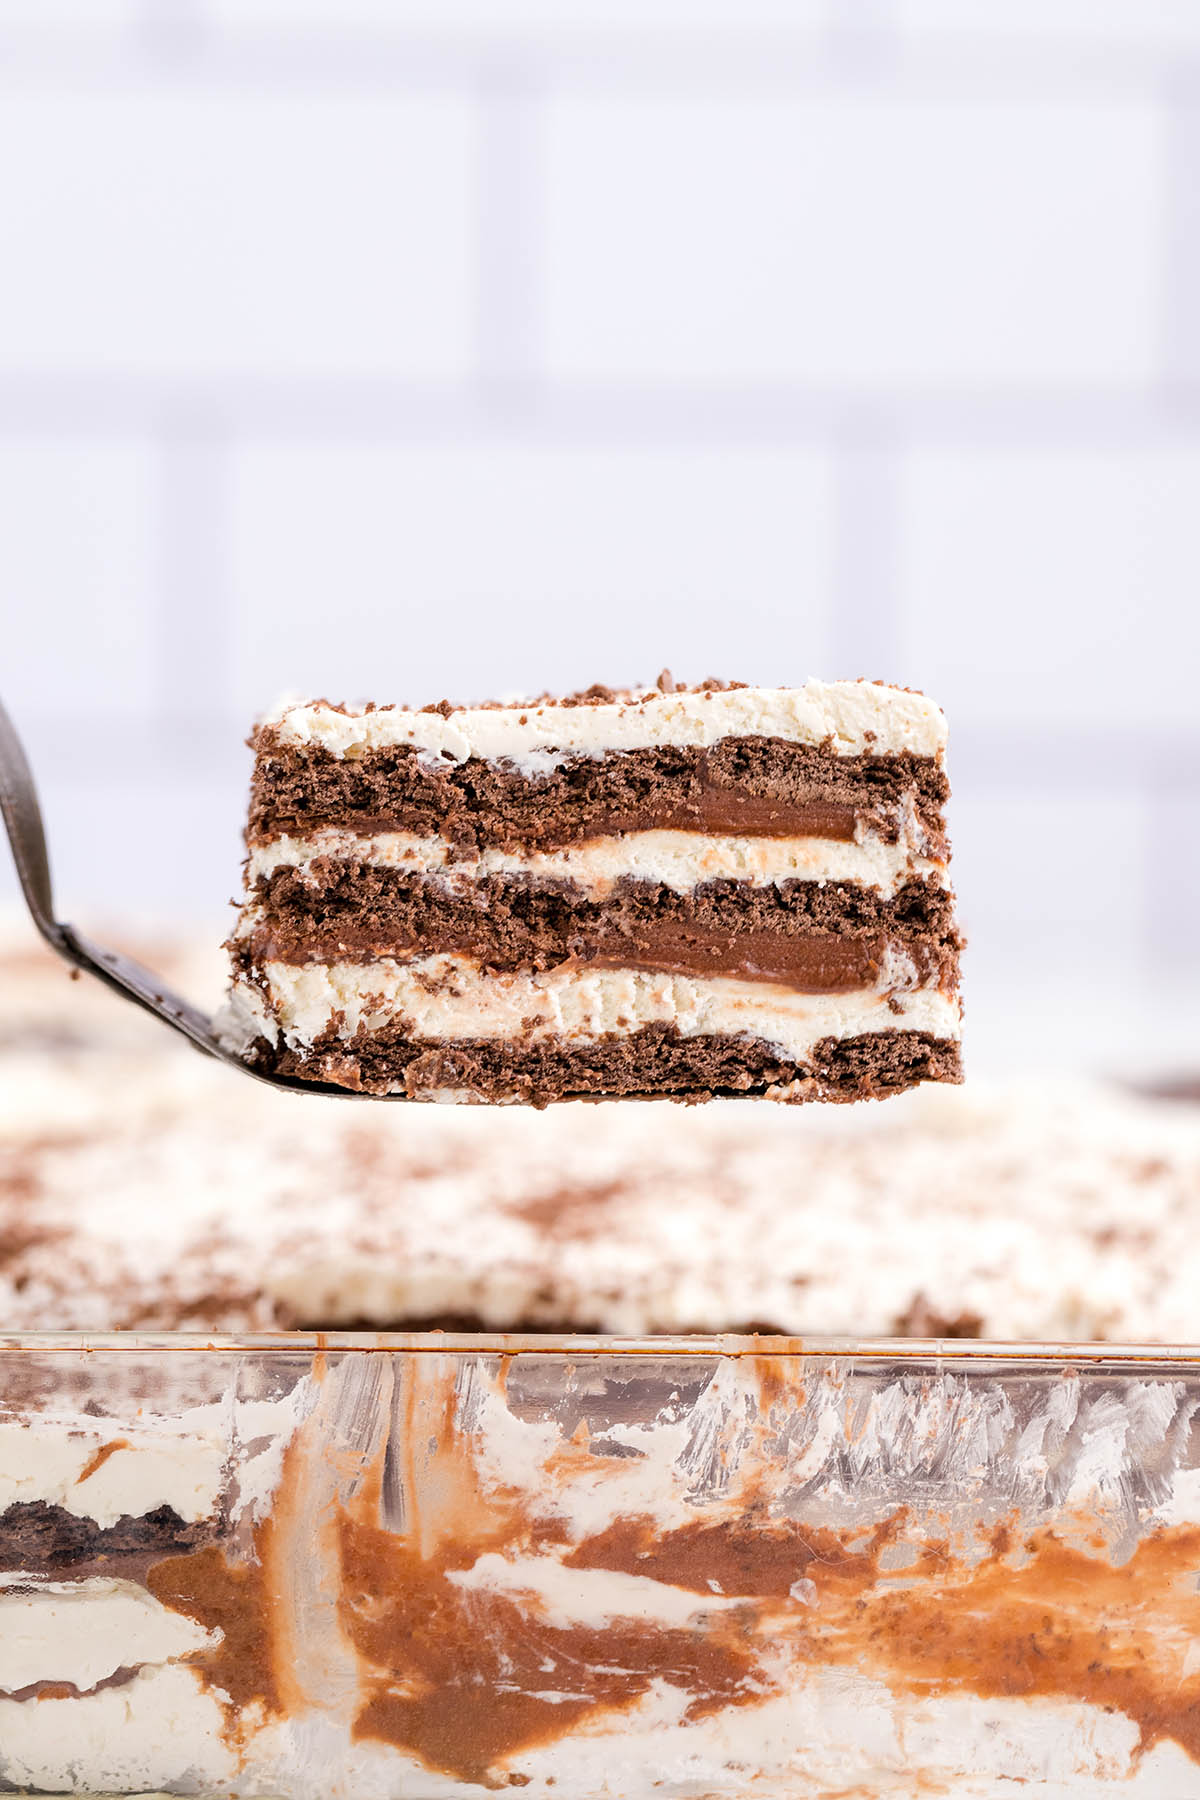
<point>444,998</point>
<point>95,1472</point>
<point>164,1727</point>
<point>852,718</point>
<point>679,860</point>
<point>84,1633</point>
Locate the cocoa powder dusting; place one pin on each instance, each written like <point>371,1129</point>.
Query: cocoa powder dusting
<point>570,1213</point>
<point>923,1320</point>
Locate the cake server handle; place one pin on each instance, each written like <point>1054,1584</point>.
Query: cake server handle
<point>22,815</point>
<point>27,838</point>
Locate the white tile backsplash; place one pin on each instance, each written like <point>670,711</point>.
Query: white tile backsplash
<point>76,16</point>
<point>1054,587</point>
<point>486,569</point>
<point>179,229</point>
<point>1051,874</point>
<point>852,237</point>
<point>77,577</point>
<point>1173,905</point>
<point>144,843</point>
<point>1105,22</point>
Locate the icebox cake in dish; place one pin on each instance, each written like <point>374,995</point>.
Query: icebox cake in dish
<point>321,1570</point>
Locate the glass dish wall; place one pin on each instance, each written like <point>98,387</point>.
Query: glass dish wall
<point>416,1569</point>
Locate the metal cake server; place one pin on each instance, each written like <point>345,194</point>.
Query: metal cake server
<point>26,835</point>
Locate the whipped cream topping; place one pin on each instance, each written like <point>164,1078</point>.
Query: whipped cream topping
<point>853,717</point>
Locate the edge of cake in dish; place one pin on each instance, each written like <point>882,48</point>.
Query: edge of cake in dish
<point>97,1674</point>
<point>679,893</point>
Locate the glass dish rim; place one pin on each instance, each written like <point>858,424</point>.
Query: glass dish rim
<point>960,1352</point>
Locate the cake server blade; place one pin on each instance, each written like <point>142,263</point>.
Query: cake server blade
<point>27,838</point>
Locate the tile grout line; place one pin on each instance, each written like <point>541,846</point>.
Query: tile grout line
<point>865,634</point>
<point>861,42</point>
<point>390,407</point>
<point>860,39</point>
<point>189,513</point>
<point>195,612</point>
<point>1169,908</point>
<point>509,247</point>
<point>171,31</point>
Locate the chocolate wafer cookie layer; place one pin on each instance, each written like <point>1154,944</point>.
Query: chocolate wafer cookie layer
<point>717,890</point>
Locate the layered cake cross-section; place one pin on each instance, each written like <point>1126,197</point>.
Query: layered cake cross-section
<point>719,890</point>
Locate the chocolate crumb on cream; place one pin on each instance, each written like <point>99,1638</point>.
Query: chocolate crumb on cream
<point>674,892</point>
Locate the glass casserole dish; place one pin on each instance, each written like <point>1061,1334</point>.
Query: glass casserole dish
<point>381,1566</point>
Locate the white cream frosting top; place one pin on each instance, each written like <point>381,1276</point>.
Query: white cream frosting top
<point>854,717</point>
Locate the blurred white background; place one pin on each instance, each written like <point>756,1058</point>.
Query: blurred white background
<point>376,348</point>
